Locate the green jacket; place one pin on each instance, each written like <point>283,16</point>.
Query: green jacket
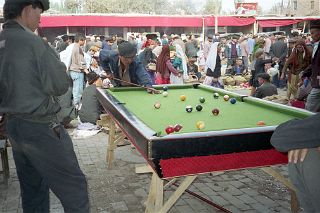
<point>31,75</point>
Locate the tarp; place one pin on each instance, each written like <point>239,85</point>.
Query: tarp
<point>119,21</point>
<point>278,22</point>
<point>235,21</point>
<point>140,21</point>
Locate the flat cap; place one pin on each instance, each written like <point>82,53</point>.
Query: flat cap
<point>126,49</point>
<point>44,3</point>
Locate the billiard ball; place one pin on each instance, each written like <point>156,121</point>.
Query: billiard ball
<point>189,108</point>
<point>165,88</point>
<point>216,95</point>
<point>169,129</point>
<point>198,107</point>
<point>182,97</point>
<point>202,100</point>
<point>215,111</point>
<point>157,105</point>
<point>165,94</point>
<point>261,123</point>
<point>226,97</point>
<point>233,100</point>
<point>200,125</point>
<point>177,127</point>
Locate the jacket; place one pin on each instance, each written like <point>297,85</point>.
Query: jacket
<point>227,51</point>
<point>31,75</point>
<point>109,61</point>
<point>266,89</point>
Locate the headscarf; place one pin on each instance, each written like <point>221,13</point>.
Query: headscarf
<point>293,58</point>
<point>212,57</point>
<point>162,60</point>
<point>181,54</point>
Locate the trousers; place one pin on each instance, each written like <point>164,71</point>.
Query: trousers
<point>45,159</point>
<point>305,177</point>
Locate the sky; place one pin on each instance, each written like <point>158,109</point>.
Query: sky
<point>227,5</point>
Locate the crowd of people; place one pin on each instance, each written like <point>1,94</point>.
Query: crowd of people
<point>59,84</point>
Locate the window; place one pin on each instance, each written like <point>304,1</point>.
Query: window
<point>311,5</point>
<point>295,5</point>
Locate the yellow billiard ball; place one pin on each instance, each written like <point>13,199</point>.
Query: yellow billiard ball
<point>183,97</point>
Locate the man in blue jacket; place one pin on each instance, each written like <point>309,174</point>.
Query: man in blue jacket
<point>124,67</point>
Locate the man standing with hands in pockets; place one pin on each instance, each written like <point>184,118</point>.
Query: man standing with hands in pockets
<point>31,77</point>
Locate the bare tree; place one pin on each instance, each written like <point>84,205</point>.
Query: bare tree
<point>213,7</point>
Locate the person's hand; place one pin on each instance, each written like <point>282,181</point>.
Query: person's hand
<point>282,76</point>
<point>297,155</point>
<point>153,90</point>
<point>179,75</point>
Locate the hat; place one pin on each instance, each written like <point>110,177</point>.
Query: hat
<point>210,36</point>
<point>126,49</point>
<point>109,38</point>
<point>264,76</point>
<point>44,3</point>
<point>315,24</point>
<point>92,77</point>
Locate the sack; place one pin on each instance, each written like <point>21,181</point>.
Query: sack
<point>3,134</point>
<point>239,80</point>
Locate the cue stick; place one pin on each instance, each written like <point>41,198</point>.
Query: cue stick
<point>133,84</point>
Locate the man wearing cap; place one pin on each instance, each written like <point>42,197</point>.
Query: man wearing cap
<point>313,100</point>
<point>124,68</point>
<point>266,88</point>
<point>30,81</point>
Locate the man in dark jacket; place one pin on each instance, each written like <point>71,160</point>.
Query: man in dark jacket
<point>301,139</point>
<point>278,52</point>
<point>124,68</point>
<point>266,88</point>
<point>30,81</point>
<point>313,100</point>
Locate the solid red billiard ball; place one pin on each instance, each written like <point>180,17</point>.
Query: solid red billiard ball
<point>157,105</point>
<point>189,108</point>
<point>169,129</point>
<point>198,107</point>
<point>202,100</point>
<point>183,97</point>
<point>177,127</point>
<point>226,97</point>
<point>261,123</point>
<point>215,111</point>
<point>233,100</point>
<point>216,95</point>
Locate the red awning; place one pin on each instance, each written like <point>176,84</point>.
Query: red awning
<point>234,21</point>
<point>119,21</point>
<point>278,22</point>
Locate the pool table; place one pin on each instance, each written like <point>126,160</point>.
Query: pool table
<point>230,140</point>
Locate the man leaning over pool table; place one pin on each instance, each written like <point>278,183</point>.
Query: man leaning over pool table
<point>124,68</point>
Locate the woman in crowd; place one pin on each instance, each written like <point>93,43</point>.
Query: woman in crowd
<point>298,61</point>
<point>164,67</point>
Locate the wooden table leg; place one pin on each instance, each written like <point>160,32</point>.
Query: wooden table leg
<point>294,201</point>
<point>111,143</point>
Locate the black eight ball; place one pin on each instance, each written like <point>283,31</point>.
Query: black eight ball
<point>165,88</point>
<point>199,108</point>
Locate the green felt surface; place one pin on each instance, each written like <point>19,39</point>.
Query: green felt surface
<point>172,110</point>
